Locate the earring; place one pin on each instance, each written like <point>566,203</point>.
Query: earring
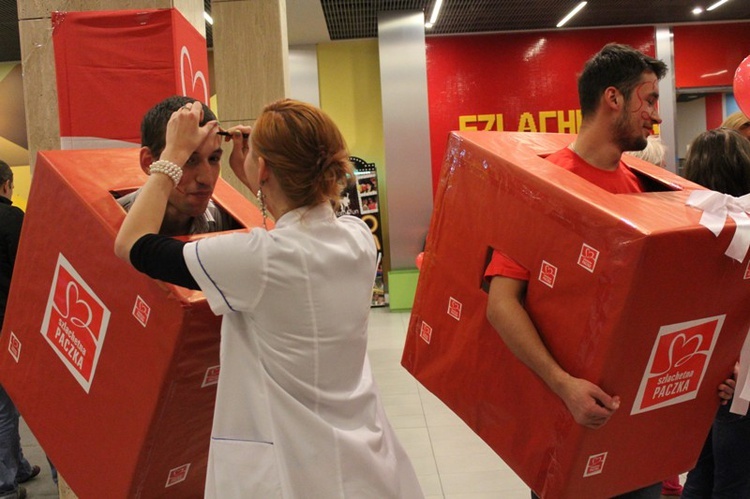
<point>262,201</point>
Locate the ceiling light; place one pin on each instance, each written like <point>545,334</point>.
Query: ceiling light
<point>572,13</point>
<point>717,4</point>
<point>208,18</point>
<point>697,11</point>
<point>435,13</point>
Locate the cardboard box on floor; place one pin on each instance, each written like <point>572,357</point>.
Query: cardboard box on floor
<point>114,372</point>
<point>628,291</point>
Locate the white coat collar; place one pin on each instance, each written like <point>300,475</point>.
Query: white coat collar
<point>309,214</point>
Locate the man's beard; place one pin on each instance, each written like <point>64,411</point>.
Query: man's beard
<point>624,137</point>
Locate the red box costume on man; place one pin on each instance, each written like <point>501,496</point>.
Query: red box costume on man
<point>627,291</point>
<point>114,372</point>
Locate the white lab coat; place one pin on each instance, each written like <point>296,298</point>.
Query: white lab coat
<point>297,414</point>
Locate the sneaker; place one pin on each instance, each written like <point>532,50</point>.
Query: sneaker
<point>32,474</point>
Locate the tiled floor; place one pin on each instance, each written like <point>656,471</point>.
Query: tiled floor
<point>450,460</point>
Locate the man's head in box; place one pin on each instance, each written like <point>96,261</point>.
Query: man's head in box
<point>191,197</point>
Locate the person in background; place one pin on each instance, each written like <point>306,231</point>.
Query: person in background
<point>738,121</point>
<point>297,411</point>
<point>654,152</point>
<point>14,467</point>
<point>190,209</point>
<point>618,93</point>
<point>720,160</point>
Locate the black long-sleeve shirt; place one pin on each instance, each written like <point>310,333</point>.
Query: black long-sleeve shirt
<point>11,220</point>
<point>160,257</point>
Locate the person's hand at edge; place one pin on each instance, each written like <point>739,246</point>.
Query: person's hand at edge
<point>726,389</point>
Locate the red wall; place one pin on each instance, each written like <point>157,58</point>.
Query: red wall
<point>707,55</point>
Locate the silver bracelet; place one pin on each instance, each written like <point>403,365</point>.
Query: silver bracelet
<point>168,168</point>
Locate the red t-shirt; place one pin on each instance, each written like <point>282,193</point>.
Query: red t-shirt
<point>619,181</point>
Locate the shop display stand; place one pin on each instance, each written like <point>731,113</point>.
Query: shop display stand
<point>361,200</point>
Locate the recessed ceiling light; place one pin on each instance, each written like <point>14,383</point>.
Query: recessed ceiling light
<point>571,14</point>
<point>435,14</point>
<point>717,4</point>
<point>697,11</point>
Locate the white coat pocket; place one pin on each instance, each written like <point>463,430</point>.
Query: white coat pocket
<point>243,469</point>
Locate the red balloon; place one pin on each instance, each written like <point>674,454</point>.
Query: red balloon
<point>742,86</point>
<point>420,257</point>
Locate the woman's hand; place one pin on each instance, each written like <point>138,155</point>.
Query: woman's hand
<point>240,150</point>
<point>184,135</point>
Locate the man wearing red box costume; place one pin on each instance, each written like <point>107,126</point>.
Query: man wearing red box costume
<point>190,208</point>
<point>618,92</point>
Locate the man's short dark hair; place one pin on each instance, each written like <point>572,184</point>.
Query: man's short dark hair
<point>615,65</point>
<point>154,123</point>
<point>6,173</point>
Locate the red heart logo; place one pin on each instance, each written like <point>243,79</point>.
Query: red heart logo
<point>77,311</point>
<point>682,349</point>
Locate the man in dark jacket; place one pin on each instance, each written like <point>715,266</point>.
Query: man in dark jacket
<point>14,468</point>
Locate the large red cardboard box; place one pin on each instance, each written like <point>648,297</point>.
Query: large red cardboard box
<point>628,291</point>
<point>112,66</point>
<point>114,372</point>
